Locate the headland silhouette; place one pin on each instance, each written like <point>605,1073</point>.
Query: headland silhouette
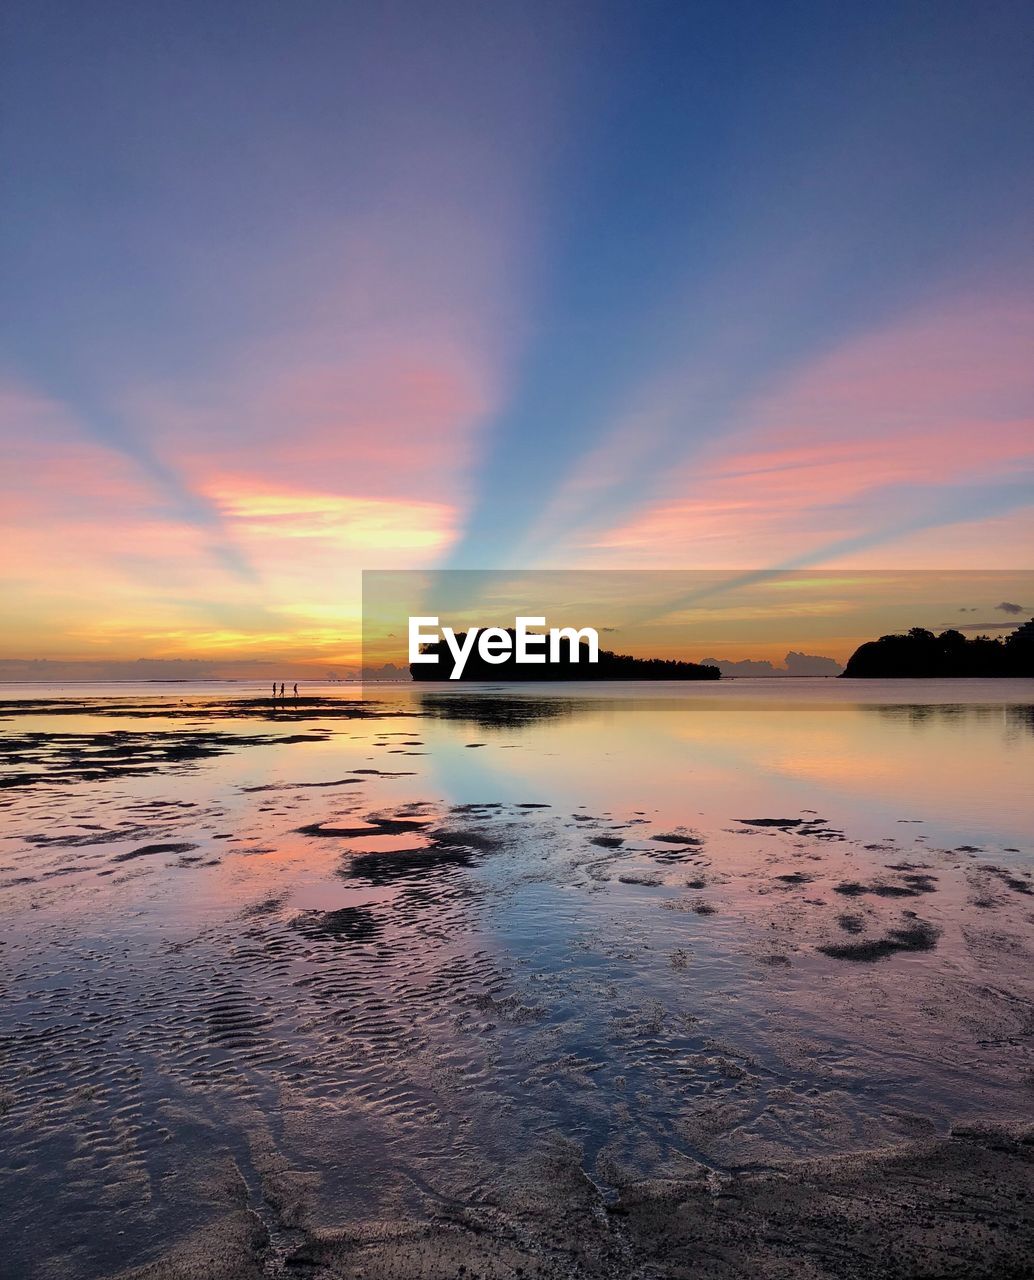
<point>922,654</point>
<point>610,666</point>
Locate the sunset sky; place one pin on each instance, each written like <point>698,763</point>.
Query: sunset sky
<point>297,290</point>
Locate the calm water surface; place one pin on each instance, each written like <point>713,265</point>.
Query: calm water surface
<point>371,952</point>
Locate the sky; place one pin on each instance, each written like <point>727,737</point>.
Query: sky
<point>294,291</point>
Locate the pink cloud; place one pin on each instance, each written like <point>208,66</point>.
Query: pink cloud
<point>942,400</point>
<point>376,385</point>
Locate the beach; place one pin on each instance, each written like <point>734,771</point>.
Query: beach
<point>590,981</point>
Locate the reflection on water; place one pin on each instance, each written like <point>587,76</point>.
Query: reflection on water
<point>360,968</point>
<point>1019,719</point>
<point>493,710</point>
<point>1013,718</point>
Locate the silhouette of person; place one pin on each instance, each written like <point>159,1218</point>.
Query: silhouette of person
<point>296,689</point>
<point>274,691</point>
<point>282,694</point>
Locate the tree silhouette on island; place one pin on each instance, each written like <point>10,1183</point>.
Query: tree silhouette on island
<point>610,666</point>
<point>921,654</point>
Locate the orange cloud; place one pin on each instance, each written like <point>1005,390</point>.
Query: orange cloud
<point>262,515</point>
<point>97,563</point>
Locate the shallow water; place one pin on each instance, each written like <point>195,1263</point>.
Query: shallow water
<point>351,960</point>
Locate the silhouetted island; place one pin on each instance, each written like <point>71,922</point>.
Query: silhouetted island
<point>611,666</point>
<point>921,654</point>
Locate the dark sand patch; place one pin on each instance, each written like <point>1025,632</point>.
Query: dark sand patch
<point>297,786</point>
<point>92,836</point>
<point>402,866</point>
<point>1018,883</point>
<point>149,850</point>
<point>264,907</point>
<point>346,924</point>
<point>374,827</point>
<point>812,826</point>
<point>63,758</point>
<point>913,886</point>
<point>445,848</point>
<point>698,906</point>
<point>785,823</point>
<point>674,848</point>
<point>465,838</point>
<point>794,878</point>
<point>163,708</point>
<point>918,936</point>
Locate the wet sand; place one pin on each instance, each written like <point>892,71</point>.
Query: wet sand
<point>326,1002</point>
<point>959,1206</point>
